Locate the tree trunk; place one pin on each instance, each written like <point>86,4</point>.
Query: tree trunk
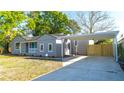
<point>6,48</point>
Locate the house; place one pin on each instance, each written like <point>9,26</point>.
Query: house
<point>60,45</point>
<point>47,45</point>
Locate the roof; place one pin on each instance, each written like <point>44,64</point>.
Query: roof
<point>57,35</point>
<point>27,38</point>
<point>30,38</point>
<point>94,36</point>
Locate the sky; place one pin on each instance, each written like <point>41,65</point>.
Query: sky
<point>119,20</point>
<point>117,16</point>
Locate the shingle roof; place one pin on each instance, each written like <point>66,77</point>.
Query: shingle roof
<point>37,37</point>
<point>57,35</point>
<point>30,38</point>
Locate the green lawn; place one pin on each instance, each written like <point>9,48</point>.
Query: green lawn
<point>20,68</point>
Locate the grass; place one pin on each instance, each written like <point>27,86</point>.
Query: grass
<point>20,68</point>
<point>5,56</point>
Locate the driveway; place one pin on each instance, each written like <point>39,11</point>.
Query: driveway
<point>89,69</point>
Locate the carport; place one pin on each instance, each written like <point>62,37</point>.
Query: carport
<point>97,36</point>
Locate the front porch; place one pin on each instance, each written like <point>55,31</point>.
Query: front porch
<point>28,48</point>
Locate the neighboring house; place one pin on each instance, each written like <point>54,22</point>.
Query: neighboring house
<point>47,45</point>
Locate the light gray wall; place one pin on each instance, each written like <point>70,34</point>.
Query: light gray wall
<point>58,50</point>
<point>72,47</point>
<point>82,47</point>
<point>23,48</point>
<point>17,39</point>
<point>45,40</point>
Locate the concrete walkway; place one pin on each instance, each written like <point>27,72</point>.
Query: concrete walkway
<point>88,68</point>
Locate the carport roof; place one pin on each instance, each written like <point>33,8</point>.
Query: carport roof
<point>94,36</point>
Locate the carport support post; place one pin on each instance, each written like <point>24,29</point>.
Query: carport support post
<point>115,49</point>
<point>62,50</point>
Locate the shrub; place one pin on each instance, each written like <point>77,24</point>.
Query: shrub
<point>121,52</point>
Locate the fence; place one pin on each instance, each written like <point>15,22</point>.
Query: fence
<point>100,50</point>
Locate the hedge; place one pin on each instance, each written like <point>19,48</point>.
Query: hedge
<point>121,52</point>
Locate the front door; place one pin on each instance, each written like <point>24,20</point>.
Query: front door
<point>26,47</point>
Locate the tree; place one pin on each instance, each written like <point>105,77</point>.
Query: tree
<point>9,21</point>
<point>57,22</point>
<point>73,26</point>
<point>51,22</point>
<point>107,41</point>
<point>33,21</point>
<point>93,21</point>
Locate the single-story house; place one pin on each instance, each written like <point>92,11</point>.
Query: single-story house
<point>47,45</point>
<point>60,45</point>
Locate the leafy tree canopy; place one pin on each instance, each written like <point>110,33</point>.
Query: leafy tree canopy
<point>51,22</point>
<point>35,22</point>
<point>9,21</point>
<point>73,26</point>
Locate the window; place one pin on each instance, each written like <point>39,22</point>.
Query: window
<point>33,44</point>
<point>17,45</point>
<point>41,47</point>
<point>50,47</point>
<point>32,47</point>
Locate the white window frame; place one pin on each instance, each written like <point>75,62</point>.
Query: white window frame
<point>15,45</point>
<point>40,47</point>
<point>52,47</point>
<point>32,50</point>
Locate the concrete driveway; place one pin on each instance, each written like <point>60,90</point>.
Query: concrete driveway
<point>89,69</point>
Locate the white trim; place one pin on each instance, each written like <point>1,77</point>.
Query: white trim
<point>40,47</point>
<point>30,49</point>
<point>52,47</point>
<point>95,36</point>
